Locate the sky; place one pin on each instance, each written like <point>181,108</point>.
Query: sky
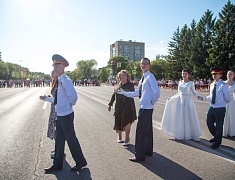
<point>31,31</point>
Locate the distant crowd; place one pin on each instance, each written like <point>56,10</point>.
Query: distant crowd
<point>200,84</point>
<point>86,82</point>
<point>24,83</point>
<point>42,83</point>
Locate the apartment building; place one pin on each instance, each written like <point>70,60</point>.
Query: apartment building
<point>130,50</point>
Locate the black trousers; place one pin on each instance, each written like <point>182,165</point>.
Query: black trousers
<point>215,122</point>
<point>65,131</point>
<point>144,134</point>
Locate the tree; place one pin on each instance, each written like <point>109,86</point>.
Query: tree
<point>113,61</point>
<point>86,67</point>
<point>175,57</point>
<point>222,52</point>
<point>3,70</point>
<point>200,45</point>
<point>104,74</point>
<point>159,68</point>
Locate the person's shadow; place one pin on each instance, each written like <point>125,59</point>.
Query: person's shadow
<point>66,173</point>
<point>224,151</point>
<point>230,138</point>
<point>164,167</point>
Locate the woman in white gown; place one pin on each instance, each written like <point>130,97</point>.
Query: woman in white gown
<point>229,119</point>
<point>180,119</point>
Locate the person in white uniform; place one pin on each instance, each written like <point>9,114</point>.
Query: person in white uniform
<point>219,97</point>
<point>64,100</point>
<point>148,93</point>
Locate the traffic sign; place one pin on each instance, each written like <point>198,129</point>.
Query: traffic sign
<point>119,64</point>
<point>133,71</point>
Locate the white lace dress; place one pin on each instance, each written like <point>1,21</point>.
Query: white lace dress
<point>180,119</point>
<point>229,119</point>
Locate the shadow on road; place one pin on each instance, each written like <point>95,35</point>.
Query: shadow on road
<point>66,173</point>
<point>164,167</point>
<point>230,138</point>
<point>226,152</point>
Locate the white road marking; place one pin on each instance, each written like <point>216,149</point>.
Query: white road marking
<point>161,103</point>
<point>44,105</point>
<point>157,125</point>
<point>95,98</point>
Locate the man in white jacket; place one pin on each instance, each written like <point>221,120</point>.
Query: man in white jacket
<point>65,98</point>
<point>148,93</point>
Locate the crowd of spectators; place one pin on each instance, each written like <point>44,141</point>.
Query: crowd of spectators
<point>24,83</point>
<point>200,84</point>
<point>86,82</point>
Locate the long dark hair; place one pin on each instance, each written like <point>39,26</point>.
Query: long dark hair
<point>53,81</point>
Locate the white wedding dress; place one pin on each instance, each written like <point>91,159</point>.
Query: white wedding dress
<point>229,119</point>
<point>180,119</point>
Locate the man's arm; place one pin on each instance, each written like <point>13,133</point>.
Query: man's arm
<point>71,92</point>
<point>131,94</point>
<point>155,89</point>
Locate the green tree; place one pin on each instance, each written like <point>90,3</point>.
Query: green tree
<point>159,68</point>
<point>3,70</point>
<point>222,52</point>
<point>72,75</point>
<point>200,45</point>
<point>86,68</point>
<point>112,63</point>
<point>134,65</point>
<point>175,56</point>
<point>104,74</point>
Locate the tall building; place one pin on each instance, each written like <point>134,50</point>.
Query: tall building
<point>130,50</point>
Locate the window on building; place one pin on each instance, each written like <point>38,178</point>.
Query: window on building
<point>126,48</point>
<point>113,51</point>
<point>137,47</point>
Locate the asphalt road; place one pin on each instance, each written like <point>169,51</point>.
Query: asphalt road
<point>25,149</point>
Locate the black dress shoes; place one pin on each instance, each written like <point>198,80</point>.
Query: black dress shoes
<point>76,168</point>
<point>52,169</point>
<point>133,159</point>
<point>214,146</point>
<point>212,140</point>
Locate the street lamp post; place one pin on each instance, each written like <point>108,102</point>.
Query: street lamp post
<point>135,67</point>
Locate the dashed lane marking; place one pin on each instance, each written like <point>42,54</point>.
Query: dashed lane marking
<point>157,125</point>
<point>94,98</point>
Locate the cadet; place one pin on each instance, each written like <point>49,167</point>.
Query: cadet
<point>219,96</point>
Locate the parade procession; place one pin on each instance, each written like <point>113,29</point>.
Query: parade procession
<point>79,102</point>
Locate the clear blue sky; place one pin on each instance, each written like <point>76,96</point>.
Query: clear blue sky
<point>31,31</point>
